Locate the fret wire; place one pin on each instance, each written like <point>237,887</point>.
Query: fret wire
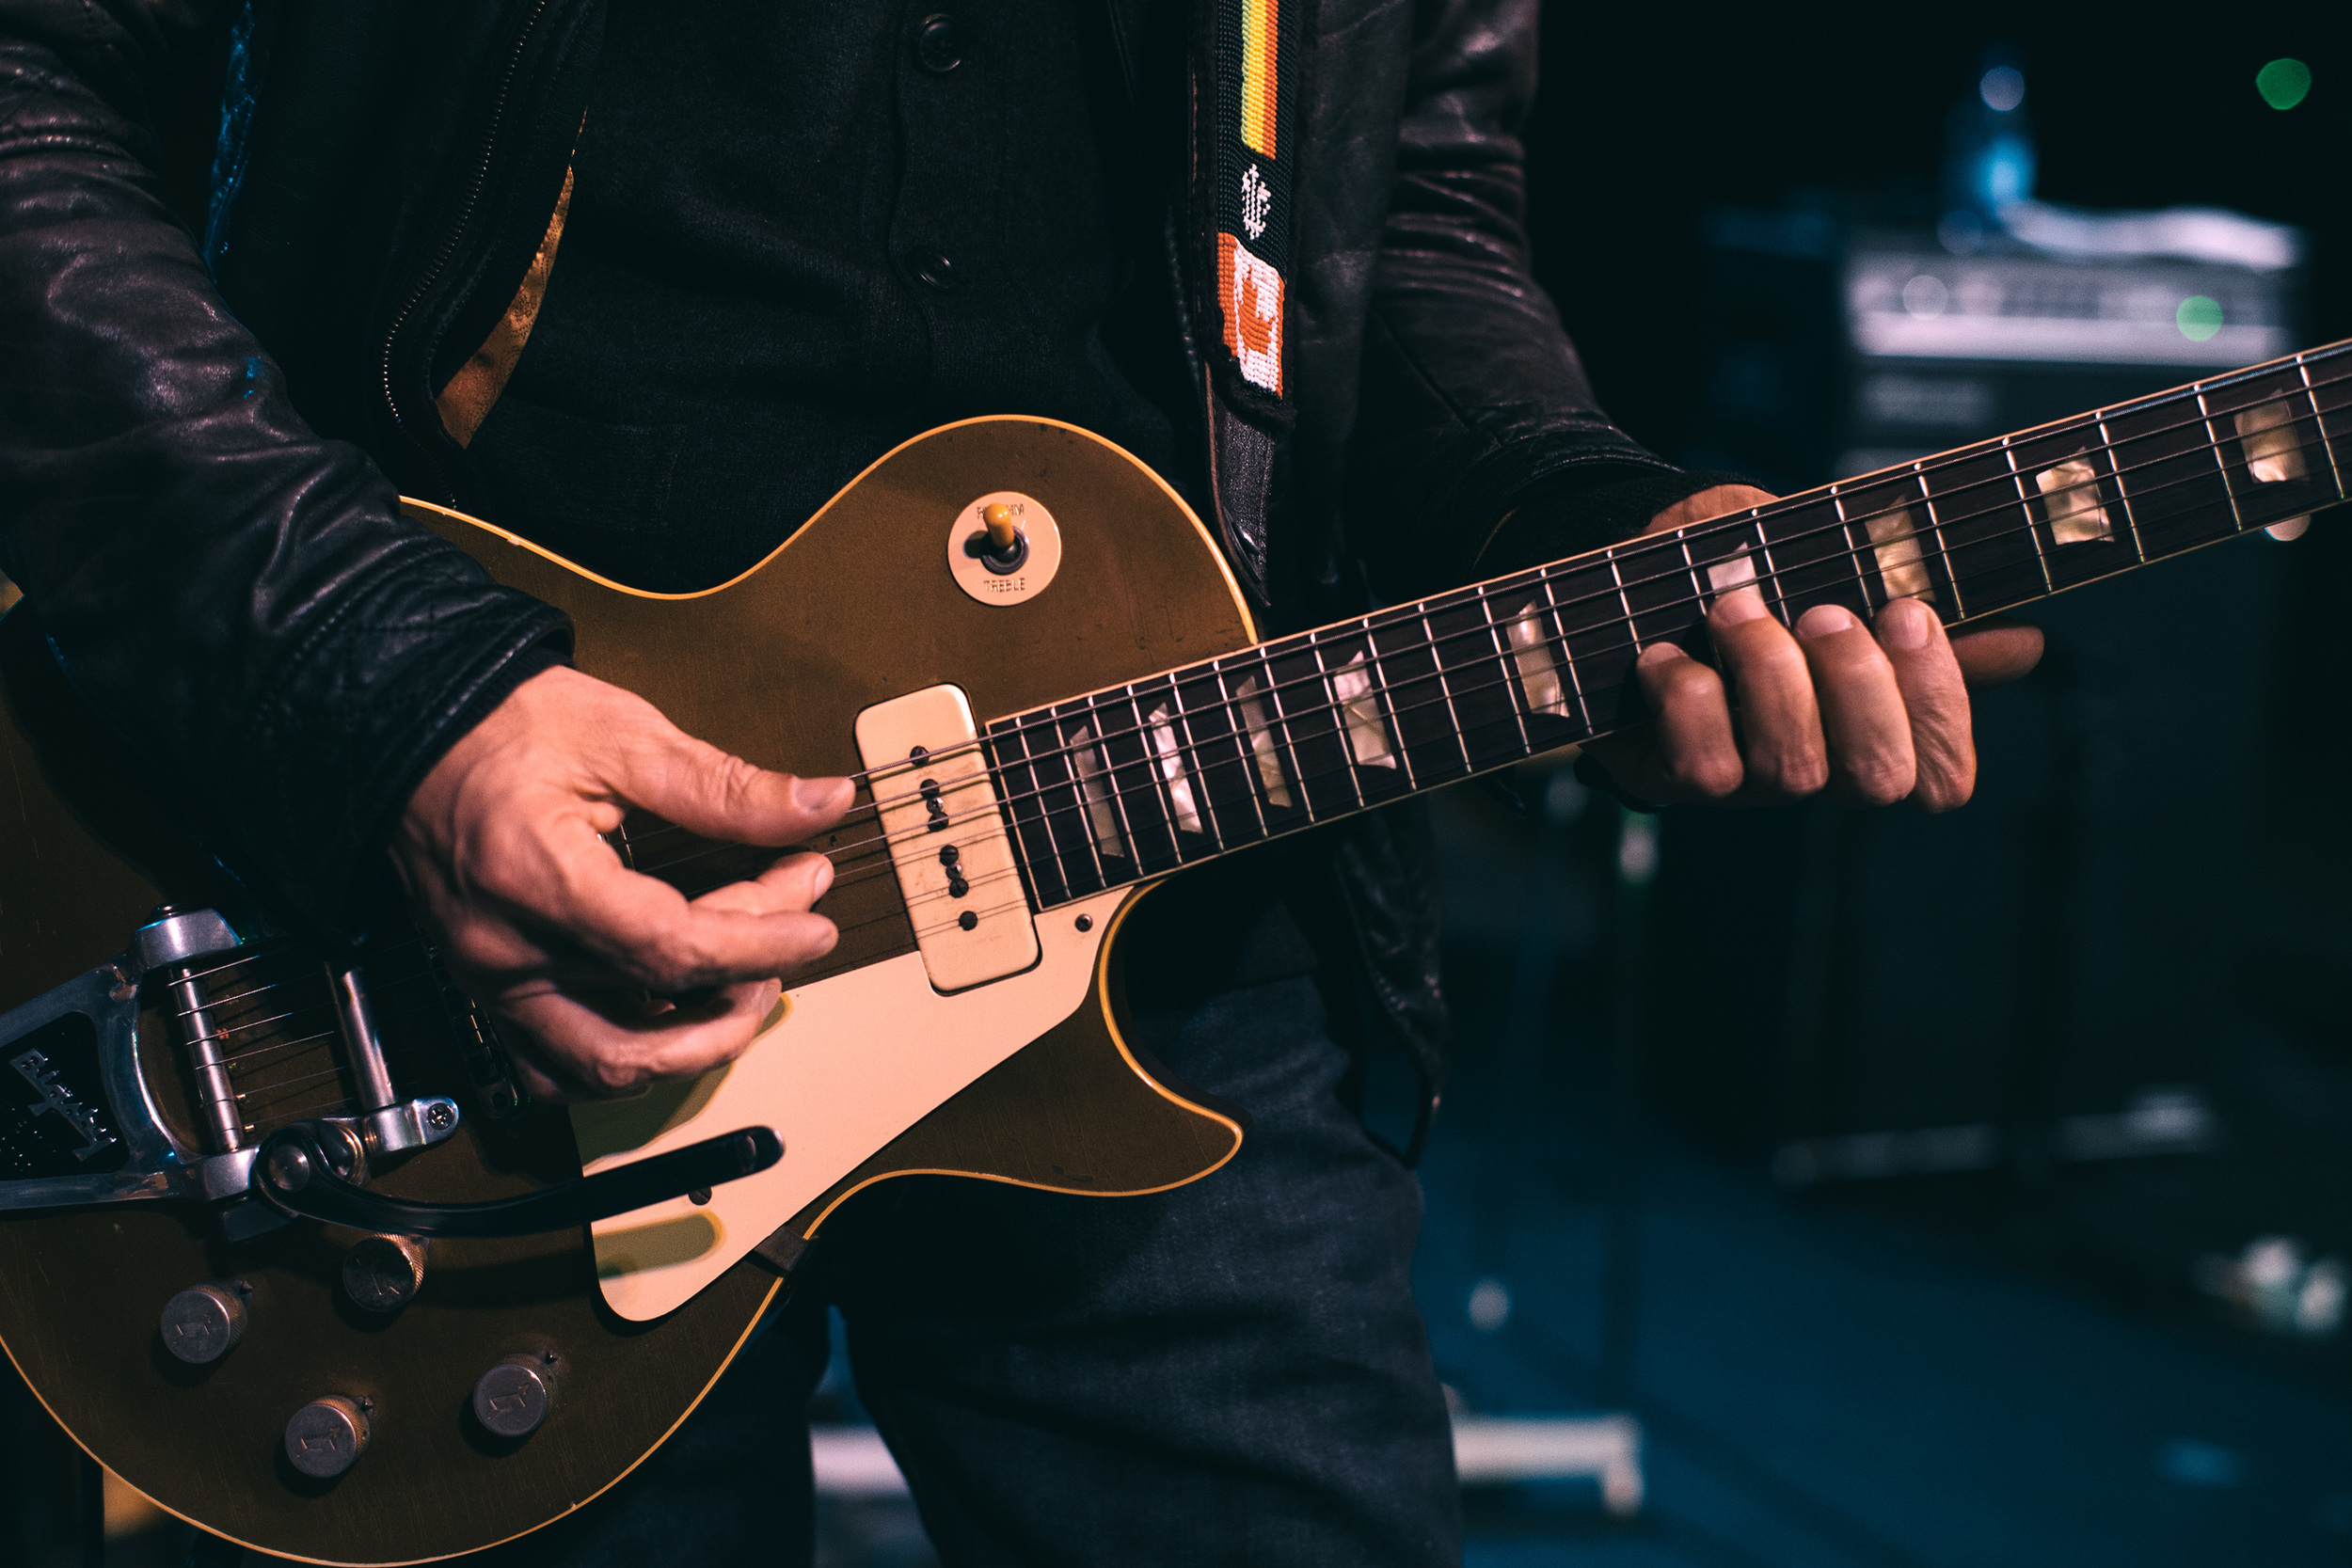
<point>1060,856</point>
<point>1583,718</point>
<point>1204,809</point>
<point>1445,690</point>
<point>1383,702</point>
<point>1085,820</point>
<point>1624,602</point>
<point>1772,569</point>
<point>1691,567</point>
<point>1154,782</point>
<point>1053,851</point>
<point>1502,645</point>
<point>2221,461</point>
<point>1919,468</point>
<point>1628,680</point>
<point>2041,557</point>
<point>2151,401</point>
<point>999,778</point>
<point>1110,770</point>
<point>1546,574</point>
<point>1633,645</point>
<point>1942,549</point>
<point>1238,727</point>
<point>2319,419</point>
<point>1338,724</point>
<point>1853,556</point>
<point>1280,731</point>
<point>2123,494</point>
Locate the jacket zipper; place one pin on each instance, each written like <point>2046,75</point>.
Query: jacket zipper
<point>448,246</point>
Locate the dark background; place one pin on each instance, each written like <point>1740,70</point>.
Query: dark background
<point>2009,1366</point>
<point>1648,115</point>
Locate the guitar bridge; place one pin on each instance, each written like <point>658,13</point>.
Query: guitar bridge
<point>948,844</point>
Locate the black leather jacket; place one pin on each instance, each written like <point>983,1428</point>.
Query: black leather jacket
<point>200,442</point>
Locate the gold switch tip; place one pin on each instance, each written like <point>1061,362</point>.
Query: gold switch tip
<point>1001,533</point>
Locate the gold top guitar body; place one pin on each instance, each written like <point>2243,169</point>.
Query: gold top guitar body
<point>924,630</point>
<point>870,1069</point>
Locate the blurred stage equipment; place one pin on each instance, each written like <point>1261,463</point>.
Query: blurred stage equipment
<point>1839,350</point>
<point>1910,996</point>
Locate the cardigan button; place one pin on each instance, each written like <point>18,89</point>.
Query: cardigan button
<point>934,269</point>
<point>939,44</point>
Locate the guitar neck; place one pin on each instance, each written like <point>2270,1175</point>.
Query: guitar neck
<point>1139,780</point>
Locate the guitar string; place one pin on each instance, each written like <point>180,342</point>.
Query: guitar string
<point>2305,389</point>
<point>1665,545</point>
<point>379,984</point>
<point>1540,577</point>
<point>1921,470</point>
<point>855,850</point>
<point>1092,858</point>
<point>1064,860</point>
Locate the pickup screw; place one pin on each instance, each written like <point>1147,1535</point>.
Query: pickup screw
<point>967,920</point>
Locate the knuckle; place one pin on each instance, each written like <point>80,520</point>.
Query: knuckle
<point>611,1078</point>
<point>1796,774</point>
<point>735,784</point>
<point>1882,781</point>
<point>1708,775</point>
<point>667,963</point>
<point>1690,682</point>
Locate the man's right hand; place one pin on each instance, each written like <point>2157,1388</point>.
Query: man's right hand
<point>540,921</point>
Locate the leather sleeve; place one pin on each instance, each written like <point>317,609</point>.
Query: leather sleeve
<point>1472,396</point>
<point>233,594</point>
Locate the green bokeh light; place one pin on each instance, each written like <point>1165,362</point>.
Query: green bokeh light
<point>2199,318</point>
<point>2284,82</point>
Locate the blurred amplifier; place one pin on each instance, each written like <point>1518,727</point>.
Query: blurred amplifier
<point>1835,350</point>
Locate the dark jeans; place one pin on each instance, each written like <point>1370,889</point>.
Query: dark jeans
<point>1231,1372</point>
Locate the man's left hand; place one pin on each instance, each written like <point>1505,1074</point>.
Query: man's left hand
<point>1870,714</point>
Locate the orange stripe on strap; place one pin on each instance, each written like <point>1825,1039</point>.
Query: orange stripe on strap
<point>1258,78</point>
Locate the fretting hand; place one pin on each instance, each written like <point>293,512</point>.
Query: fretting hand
<point>1871,714</point>
<point>540,921</point>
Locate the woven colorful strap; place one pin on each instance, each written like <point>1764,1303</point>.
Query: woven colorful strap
<point>1253,61</point>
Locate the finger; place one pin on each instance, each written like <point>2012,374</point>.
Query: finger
<point>601,1046</point>
<point>1862,709</point>
<point>1780,723</point>
<point>1693,754</point>
<point>649,932</point>
<point>711,792</point>
<point>1997,650</point>
<point>1714,502</point>
<point>1936,698</point>
<point>794,882</point>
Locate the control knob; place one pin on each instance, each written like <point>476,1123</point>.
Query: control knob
<point>327,1436</point>
<point>203,1323</point>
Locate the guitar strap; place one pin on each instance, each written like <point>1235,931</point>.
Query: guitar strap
<point>1245,150</point>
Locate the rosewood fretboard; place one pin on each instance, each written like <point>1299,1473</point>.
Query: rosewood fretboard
<point>1138,779</point>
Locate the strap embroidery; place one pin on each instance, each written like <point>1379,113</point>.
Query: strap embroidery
<point>1254,66</point>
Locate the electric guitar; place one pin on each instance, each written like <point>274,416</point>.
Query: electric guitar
<point>286,1249</point>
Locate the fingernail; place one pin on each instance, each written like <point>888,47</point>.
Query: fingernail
<point>1658,653</point>
<point>819,879</point>
<point>1904,625</point>
<point>1739,606</point>
<point>1825,619</point>
<point>821,794</point>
